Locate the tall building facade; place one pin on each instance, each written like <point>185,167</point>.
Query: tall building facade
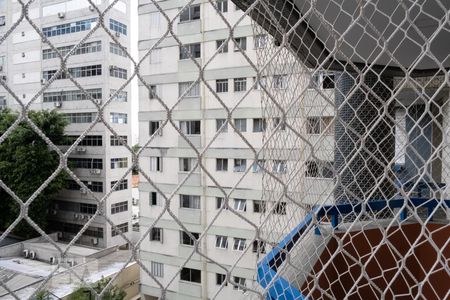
<point>101,67</point>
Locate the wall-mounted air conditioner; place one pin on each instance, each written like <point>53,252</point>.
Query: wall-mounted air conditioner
<point>81,149</point>
<point>57,103</point>
<point>43,81</point>
<point>91,8</point>
<point>53,260</point>
<point>117,34</point>
<point>96,171</point>
<point>94,241</point>
<point>26,253</point>
<point>32,255</point>
<point>83,191</point>
<point>61,15</point>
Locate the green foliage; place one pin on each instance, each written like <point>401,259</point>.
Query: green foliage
<point>135,148</point>
<point>26,161</point>
<point>113,293</point>
<point>42,295</point>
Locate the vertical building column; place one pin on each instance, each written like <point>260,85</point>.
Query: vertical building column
<point>364,137</point>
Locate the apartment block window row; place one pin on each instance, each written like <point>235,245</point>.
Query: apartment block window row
<point>319,169</point>
<point>190,51</point>
<point>114,141</point>
<point>190,201</point>
<point>94,186</point>
<point>123,185</point>
<point>190,127</point>
<point>85,163</point>
<point>156,164</point>
<point>191,275</point>
<point>119,207</point>
<point>118,72</point>
<point>189,89</point>
<point>85,48</point>
<point>68,28</point>
<point>154,126</point>
<point>319,125</point>
<point>186,240</point>
<point>75,228</point>
<point>74,95</point>
<point>118,118</point>
<point>121,228</point>
<point>190,13</point>
<point>156,235</point>
<point>87,208</point>
<point>115,49</point>
<point>239,244</point>
<point>89,140</point>
<point>119,163</point>
<point>187,163</point>
<point>157,269</point>
<point>87,117</point>
<point>121,96</point>
<point>117,26</point>
<point>77,72</point>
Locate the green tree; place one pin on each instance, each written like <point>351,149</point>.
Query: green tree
<point>135,148</point>
<point>113,293</point>
<point>42,295</point>
<point>26,161</point>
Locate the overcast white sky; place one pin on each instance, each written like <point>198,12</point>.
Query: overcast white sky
<point>134,29</point>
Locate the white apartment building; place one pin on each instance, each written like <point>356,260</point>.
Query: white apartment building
<point>168,158</point>
<point>101,67</point>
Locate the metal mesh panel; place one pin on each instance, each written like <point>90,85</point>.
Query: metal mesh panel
<point>346,167</point>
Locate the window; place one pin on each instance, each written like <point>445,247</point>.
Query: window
<point>85,163</point>
<point>117,26</point>
<point>259,247</point>
<point>259,83</point>
<point>187,163</point>
<point>153,94</point>
<point>328,81</point>
<point>220,123</point>
<point>222,5</point>
<point>221,164</point>
<point>221,242</point>
<point>280,82</point>
<point>67,28</point>
<point>257,166</point>
<point>239,244</point>
<point>114,141</point>
<point>119,207</point>
<point>224,48</point>
<point>115,49</point>
<point>121,96</point>
<point>259,206</point>
<point>260,41</point>
<point>241,124</point>
<point>188,89</point>
<point>123,185</point>
<point>155,56</point>
<point>259,125</point>
<point>241,44</point>
<point>319,169</point>
<point>185,239</point>
<point>2,20</point>
<point>190,13</point>
<point>239,165</point>
<point>190,127</point>
<point>119,163</point>
<point>240,204</point>
<point>154,126</point>
<point>222,85</point>
<point>156,234</point>
<point>118,118</point>
<point>153,198</point>
<point>118,72</point>
<point>279,166</point>
<point>157,269</point>
<point>318,125</point>
<point>190,50</point>
<point>86,208</point>
<point>156,163</point>
<point>277,121</point>
<point>190,201</point>
<point>240,84</point>
<point>240,281</point>
<point>84,48</point>
<point>220,202</point>
<point>77,72</point>
<point>280,208</point>
<point>121,228</point>
<point>221,279</point>
<point>322,80</point>
<point>89,140</point>
<point>192,275</point>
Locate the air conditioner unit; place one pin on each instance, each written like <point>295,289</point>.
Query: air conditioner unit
<point>112,67</point>
<point>117,34</point>
<point>43,81</point>
<point>75,216</point>
<point>3,77</point>
<point>98,101</point>
<point>71,263</point>
<point>32,255</point>
<point>91,8</point>
<point>81,149</point>
<point>53,260</point>
<point>61,15</point>
<point>60,235</point>
<point>96,171</point>
<point>86,217</point>
<point>57,104</point>
<point>94,241</point>
<point>26,253</point>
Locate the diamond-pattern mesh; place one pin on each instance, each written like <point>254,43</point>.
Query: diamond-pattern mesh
<point>355,187</point>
